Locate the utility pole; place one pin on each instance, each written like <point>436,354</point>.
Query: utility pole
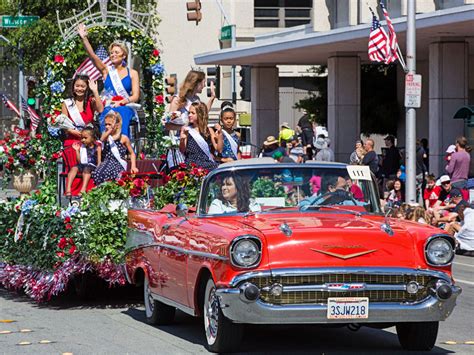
<point>21,79</point>
<point>410,154</point>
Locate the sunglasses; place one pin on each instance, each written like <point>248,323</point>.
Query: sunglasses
<point>446,183</point>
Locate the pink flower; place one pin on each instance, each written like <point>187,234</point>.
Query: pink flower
<point>60,254</point>
<point>138,183</point>
<point>58,58</point>
<point>68,226</point>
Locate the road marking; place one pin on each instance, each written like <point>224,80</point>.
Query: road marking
<point>450,342</point>
<point>24,343</point>
<point>470,342</point>
<point>465,282</point>
<point>463,264</point>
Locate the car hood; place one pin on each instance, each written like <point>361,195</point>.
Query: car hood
<point>334,240</point>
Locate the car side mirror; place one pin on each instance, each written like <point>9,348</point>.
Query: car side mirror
<point>182,210</point>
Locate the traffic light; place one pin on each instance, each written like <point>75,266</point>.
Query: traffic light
<point>245,82</point>
<point>194,11</point>
<point>171,83</point>
<point>214,75</point>
<point>31,88</point>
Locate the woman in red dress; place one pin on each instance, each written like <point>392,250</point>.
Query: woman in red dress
<point>80,108</point>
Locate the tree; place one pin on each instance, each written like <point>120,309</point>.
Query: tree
<point>36,38</point>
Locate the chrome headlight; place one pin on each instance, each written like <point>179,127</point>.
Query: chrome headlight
<point>246,251</point>
<point>439,250</point>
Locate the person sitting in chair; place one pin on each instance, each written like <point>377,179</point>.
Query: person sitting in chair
<point>234,196</point>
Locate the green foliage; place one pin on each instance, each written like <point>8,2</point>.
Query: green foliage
<point>103,228</point>
<point>36,38</point>
<point>265,187</point>
<point>180,186</point>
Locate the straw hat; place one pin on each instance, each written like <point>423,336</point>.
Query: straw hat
<point>270,140</point>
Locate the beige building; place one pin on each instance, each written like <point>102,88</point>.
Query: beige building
<point>337,36</point>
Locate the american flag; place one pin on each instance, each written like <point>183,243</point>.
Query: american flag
<point>88,66</point>
<point>10,105</point>
<point>392,38</point>
<point>378,41</point>
<point>35,118</point>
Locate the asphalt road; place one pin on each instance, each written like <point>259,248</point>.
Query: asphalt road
<point>114,324</point>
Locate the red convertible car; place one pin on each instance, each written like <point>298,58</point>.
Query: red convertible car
<point>291,244</point>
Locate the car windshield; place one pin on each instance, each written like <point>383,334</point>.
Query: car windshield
<point>299,188</point>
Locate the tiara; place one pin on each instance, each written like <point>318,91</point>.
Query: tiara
<point>227,107</point>
<point>82,73</point>
<point>198,69</point>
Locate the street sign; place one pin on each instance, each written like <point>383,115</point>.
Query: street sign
<point>226,33</point>
<point>18,21</point>
<point>413,90</point>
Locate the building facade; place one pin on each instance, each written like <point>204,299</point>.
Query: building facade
<point>337,36</point>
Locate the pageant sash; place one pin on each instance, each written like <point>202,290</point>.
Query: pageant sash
<point>74,113</point>
<point>232,142</point>
<point>200,142</point>
<point>117,83</point>
<point>116,153</point>
<point>83,155</point>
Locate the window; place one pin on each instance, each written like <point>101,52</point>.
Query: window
<point>282,13</point>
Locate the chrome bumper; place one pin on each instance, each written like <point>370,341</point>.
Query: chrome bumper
<point>238,309</point>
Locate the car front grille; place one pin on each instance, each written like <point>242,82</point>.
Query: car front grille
<point>309,297</point>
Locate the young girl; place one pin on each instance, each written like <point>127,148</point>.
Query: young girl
<point>80,108</point>
<point>230,150</point>
<point>197,140</point>
<point>395,196</point>
<point>116,147</point>
<point>89,155</point>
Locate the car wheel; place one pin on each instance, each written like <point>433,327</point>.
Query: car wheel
<point>156,312</point>
<point>418,335</point>
<point>221,334</point>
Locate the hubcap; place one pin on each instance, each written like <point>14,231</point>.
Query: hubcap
<point>211,318</point>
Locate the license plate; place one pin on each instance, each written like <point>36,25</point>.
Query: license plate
<point>348,307</point>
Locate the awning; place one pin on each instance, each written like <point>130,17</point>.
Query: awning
<point>303,46</point>
<point>467,114</point>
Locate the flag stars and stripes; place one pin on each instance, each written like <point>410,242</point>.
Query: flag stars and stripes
<point>87,66</point>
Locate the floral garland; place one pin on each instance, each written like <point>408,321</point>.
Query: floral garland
<point>66,56</point>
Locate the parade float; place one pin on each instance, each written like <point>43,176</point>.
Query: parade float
<point>44,245</point>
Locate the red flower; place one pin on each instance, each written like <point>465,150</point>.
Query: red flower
<point>71,241</point>
<point>58,213</point>
<point>195,171</point>
<point>163,157</point>
<point>193,165</point>
<point>156,53</point>
<point>117,98</point>
<point>60,254</point>
<point>58,58</point>
<point>38,136</point>
<point>10,231</point>
<point>72,250</point>
<point>67,219</point>
<point>10,159</point>
<point>121,182</point>
<point>138,183</point>
<point>159,99</point>
<point>180,175</point>
<point>142,156</point>
<point>32,161</point>
<point>182,165</point>
<point>62,243</point>
<point>135,192</point>
<point>68,226</point>
<point>56,156</point>
<point>53,236</point>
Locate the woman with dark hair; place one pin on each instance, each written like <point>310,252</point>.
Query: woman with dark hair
<point>396,196</point>
<point>80,108</point>
<point>234,196</point>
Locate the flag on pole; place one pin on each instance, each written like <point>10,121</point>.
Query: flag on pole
<point>10,105</point>
<point>392,38</point>
<point>88,67</point>
<point>378,41</point>
<point>34,117</point>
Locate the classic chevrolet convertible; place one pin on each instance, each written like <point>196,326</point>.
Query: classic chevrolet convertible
<point>291,243</point>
